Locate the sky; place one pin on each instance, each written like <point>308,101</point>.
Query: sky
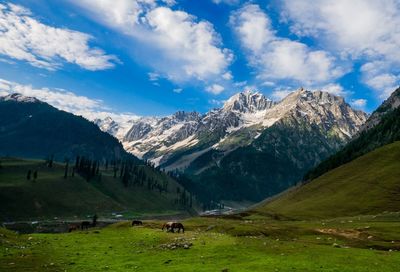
<point>127,58</point>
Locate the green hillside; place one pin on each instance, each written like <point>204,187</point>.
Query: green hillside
<point>368,185</point>
<point>52,195</point>
<point>38,130</point>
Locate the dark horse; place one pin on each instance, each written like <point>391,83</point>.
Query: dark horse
<point>87,224</point>
<point>72,227</point>
<point>172,226</point>
<point>137,223</point>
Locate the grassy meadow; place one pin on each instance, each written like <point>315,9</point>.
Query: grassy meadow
<point>347,220</point>
<point>242,243</point>
<point>51,195</point>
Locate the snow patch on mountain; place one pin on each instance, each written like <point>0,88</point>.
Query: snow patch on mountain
<point>19,98</point>
<point>157,138</point>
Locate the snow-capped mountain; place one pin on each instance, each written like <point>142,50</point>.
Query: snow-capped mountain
<point>117,129</point>
<point>16,97</point>
<point>329,112</point>
<point>151,134</point>
<point>158,138</point>
<point>259,145</point>
<point>247,102</point>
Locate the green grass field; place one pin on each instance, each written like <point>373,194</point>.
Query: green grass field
<point>368,185</point>
<point>347,220</point>
<point>250,243</point>
<point>53,196</point>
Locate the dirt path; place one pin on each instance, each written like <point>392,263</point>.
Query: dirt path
<point>346,233</point>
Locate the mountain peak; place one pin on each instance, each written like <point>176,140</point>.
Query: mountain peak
<point>186,116</point>
<point>247,101</point>
<point>319,96</point>
<point>391,103</point>
<point>17,97</point>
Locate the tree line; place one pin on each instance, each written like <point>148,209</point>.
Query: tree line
<point>133,173</point>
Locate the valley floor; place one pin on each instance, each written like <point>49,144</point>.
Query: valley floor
<point>249,242</point>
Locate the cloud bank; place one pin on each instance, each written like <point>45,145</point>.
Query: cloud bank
<point>24,38</point>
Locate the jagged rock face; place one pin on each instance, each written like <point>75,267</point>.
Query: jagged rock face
<point>328,111</point>
<point>247,102</point>
<point>157,126</point>
<point>117,129</point>
<point>218,120</point>
<point>107,125</point>
<point>137,131</point>
<point>152,137</point>
<point>393,102</point>
<point>150,134</point>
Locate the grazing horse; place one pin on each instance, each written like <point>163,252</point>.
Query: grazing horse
<point>167,226</point>
<point>72,227</point>
<point>137,223</point>
<point>179,226</point>
<point>171,226</point>
<point>87,224</point>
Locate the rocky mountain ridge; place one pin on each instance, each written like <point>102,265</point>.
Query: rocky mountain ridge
<point>158,138</point>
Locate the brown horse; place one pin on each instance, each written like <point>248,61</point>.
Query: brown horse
<point>137,223</point>
<point>179,226</point>
<point>72,227</point>
<point>171,226</point>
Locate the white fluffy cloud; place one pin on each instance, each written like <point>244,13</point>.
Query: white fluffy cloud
<point>24,38</point>
<point>178,46</point>
<point>215,89</point>
<point>358,103</point>
<point>229,2</point>
<point>64,100</point>
<point>192,44</point>
<point>335,89</point>
<point>124,15</point>
<point>153,76</point>
<point>253,27</point>
<point>177,90</point>
<point>278,58</point>
<point>365,30</point>
<point>378,75</point>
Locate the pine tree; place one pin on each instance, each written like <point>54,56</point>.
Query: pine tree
<point>66,169</point>
<point>77,162</point>
<point>50,164</point>
<point>28,176</point>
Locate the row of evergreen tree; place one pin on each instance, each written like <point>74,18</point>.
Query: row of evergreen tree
<point>133,173</point>
<point>130,173</point>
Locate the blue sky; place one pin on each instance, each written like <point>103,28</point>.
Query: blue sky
<point>149,57</point>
